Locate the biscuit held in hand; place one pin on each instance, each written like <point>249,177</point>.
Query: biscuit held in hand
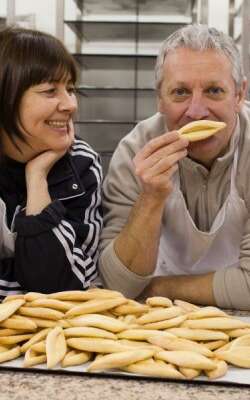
<point>200,130</point>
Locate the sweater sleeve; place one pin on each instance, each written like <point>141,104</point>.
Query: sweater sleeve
<point>58,249</point>
<point>232,285</point>
<point>120,192</point>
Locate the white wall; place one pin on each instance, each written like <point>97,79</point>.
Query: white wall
<point>43,11</point>
<point>3,7</point>
<point>218,15</point>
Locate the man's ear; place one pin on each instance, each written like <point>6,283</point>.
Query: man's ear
<point>241,95</point>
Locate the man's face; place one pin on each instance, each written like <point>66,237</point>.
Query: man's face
<point>199,85</point>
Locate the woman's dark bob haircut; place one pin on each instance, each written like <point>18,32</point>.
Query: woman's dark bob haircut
<point>28,58</point>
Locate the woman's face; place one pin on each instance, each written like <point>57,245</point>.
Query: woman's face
<point>45,115</point>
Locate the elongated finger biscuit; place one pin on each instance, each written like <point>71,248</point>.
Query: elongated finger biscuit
<point>206,312</point>
<point>31,358</point>
<point>186,306</point>
<point>44,323</point>
<point>51,303</point>
<point>160,315</point>
<point>158,301</point>
<point>186,359</point>
<point>9,308</point>
<point>239,356</point>
<point>81,295</point>
<point>11,332</point>
<point>35,339</point>
<point>214,344</point>
<point>3,348</point>
<point>31,296</point>
<point>75,357</point>
<point>141,334</point>
<point>233,333</point>
<point>89,331</point>
<point>99,321</point>
<point>97,345</point>
<point>131,307</point>
<point>120,359</point>
<point>190,373</point>
<point>14,339</point>
<point>167,323</point>
<point>241,341</point>
<point>220,370</point>
<point>41,312</point>
<point>139,344</point>
<point>95,306</point>
<point>39,347</point>
<point>152,368</point>
<point>180,344</point>
<point>200,130</point>
<point>217,323</point>
<point>12,297</point>
<point>10,354</point>
<point>198,334</point>
<point>18,322</point>
<point>56,347</point>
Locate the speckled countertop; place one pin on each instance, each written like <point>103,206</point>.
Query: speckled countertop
<point>40,386</point>
<point>28,385</point>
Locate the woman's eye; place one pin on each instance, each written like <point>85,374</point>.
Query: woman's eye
<point>71,90</point>
<point>49,91</point>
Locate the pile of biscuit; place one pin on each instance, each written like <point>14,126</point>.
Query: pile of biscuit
<point>101,327</point>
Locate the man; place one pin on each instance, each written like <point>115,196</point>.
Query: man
<point>177,213</point>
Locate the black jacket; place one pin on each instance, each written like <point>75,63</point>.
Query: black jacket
<point>57,249</point>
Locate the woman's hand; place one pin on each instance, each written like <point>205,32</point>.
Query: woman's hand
<point>36,172</point>
<point>39,167</point>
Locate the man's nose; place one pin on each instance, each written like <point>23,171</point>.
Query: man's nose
<point>197,108</point>
<point>67,102</point>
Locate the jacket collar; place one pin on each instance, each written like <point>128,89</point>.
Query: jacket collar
<point>63,180</point>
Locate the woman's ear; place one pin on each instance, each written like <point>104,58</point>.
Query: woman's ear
<point>241,95</point>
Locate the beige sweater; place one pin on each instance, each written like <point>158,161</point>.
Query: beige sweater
<point>121,188</point>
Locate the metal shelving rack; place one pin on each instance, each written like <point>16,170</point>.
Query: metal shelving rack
<point>239,29</point>
<point>116,47</point>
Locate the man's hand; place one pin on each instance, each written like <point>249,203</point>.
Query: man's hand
<point>156,163</point>
<point>197,289</point>
<point>138,243</point>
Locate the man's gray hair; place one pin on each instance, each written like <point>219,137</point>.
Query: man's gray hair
<point>200,37</point>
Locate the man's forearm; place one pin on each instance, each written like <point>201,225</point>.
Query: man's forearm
<point>138,242</point>
<point>197,289</point>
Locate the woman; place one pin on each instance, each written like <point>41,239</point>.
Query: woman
<point>50,216</point>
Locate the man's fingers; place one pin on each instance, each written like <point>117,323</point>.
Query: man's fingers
<point>170,141</point>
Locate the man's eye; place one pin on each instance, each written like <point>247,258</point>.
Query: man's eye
<point>215,91</point>
<point>180,92</point>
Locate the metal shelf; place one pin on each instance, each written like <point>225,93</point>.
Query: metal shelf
<point>116,46</point>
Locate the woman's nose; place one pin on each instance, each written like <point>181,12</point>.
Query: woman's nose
<point>197,109</point>
<point>67,102</point>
